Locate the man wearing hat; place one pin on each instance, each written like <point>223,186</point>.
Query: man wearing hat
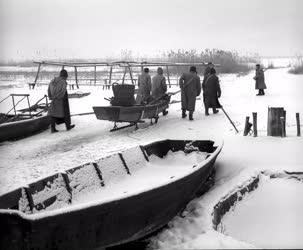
<point>260,81</point>
<point>190,88</point>
<point>144,84</point>
<point>207,71</point>
<point>159,86</point>
<point>59,107</point>
<point>211,92</point>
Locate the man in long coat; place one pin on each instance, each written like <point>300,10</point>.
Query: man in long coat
<point>190,88</point>
<point>159,86</point>
<point>260,81</point>
<point>59,107</point>
<point>207,71</point>
<point>144,84</point>
<point>211,92</point>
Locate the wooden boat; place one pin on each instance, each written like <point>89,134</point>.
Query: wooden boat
<point>114,200</point>
<point>23,127</point>
<point>24,122</point>
<point>131,114</point>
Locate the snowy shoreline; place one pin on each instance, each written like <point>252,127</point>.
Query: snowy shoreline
<point>32,158</point>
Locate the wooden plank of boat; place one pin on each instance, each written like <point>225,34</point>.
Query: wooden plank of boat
<point>23,128</point>
<point>108,202</point>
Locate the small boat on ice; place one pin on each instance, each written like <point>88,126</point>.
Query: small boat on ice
<point>114,200</point>
<point>24,122</point>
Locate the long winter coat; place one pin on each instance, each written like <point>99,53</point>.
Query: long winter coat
<point>144,83</point>
<point>57,93</point>
<point>190,88</point>
<point>206,73</point>
<point>159,86</point>
<point>211,92</point>
<point>259,78</point>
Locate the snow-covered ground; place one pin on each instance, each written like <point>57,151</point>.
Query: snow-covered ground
<point>35,157</point>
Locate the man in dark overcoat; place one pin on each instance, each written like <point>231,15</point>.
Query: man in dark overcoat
<point>260,80</point>
<point>209,66</point>
<point>190,88</point>
<point>159,86</point>
<point>211,92</point>
<point>144,84</point>
<point>59,107</point>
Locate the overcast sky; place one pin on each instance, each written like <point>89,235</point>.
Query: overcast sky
<point>30,29</point>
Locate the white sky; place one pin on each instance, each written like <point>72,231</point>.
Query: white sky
<point>31,29</point>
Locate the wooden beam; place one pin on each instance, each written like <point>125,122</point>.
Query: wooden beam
<point>168,79</point>
<point>255,127</point>
<point>131,75</point>
<point>110,75</point>
<point>95,75</point>
<point>124,75</point>
<point>37,75</point>
<point>298,124</point>
<point>76,76</point>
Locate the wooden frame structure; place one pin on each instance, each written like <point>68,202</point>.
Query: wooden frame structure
<point>126,65</point>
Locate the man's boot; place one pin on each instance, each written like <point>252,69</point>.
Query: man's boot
<point>260,92</point>
<point>191,116</point>
<point>165,112</point>
<point>206,112</point>
<point>184,113</point>
<point>215,111</point>
<point>53,125</point>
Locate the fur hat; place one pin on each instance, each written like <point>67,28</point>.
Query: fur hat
<point>193,69</point>
<point>160,71</point>
<point>63,73</point>
<point>213,71</point>
<point>146,70</point>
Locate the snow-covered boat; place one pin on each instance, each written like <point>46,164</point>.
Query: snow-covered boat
<point>114,200</point>
<point>23,127</point>
<point>24,122</point>
<point>131,114</point>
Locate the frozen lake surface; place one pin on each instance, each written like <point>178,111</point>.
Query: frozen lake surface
<point>270,216</point>
<point>33,158</point>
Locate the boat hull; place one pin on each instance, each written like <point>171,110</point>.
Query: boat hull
<point>23,128</point>
<point>111,223</point>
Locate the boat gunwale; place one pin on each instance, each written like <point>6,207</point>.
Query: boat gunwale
<point>83,206</point>
<point>30,119</point>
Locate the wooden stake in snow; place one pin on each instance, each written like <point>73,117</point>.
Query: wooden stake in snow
<point>255,128</point>
<point>298,124</point>
<point>274,125</point>
<point>282,119</point>
<point>247,127</point>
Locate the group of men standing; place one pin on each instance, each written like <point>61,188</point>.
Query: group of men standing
<point>190,85</point>
<point>151,88</point>
<point>154,89</point>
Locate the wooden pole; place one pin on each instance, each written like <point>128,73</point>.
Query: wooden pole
<point>298,124</point>
<point>168,79</point>
<point>131,74</point>
<point>37,75</point>
<point>255,127</point>
<point>230,119</point>
<point>95,75</point>
<point>29,107</point>
<point>246,127</point>
<point>124,75</point>
<point>76,77</point>
<point>282,120</point>
<point>110,75</point>
<point>14,105</point>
